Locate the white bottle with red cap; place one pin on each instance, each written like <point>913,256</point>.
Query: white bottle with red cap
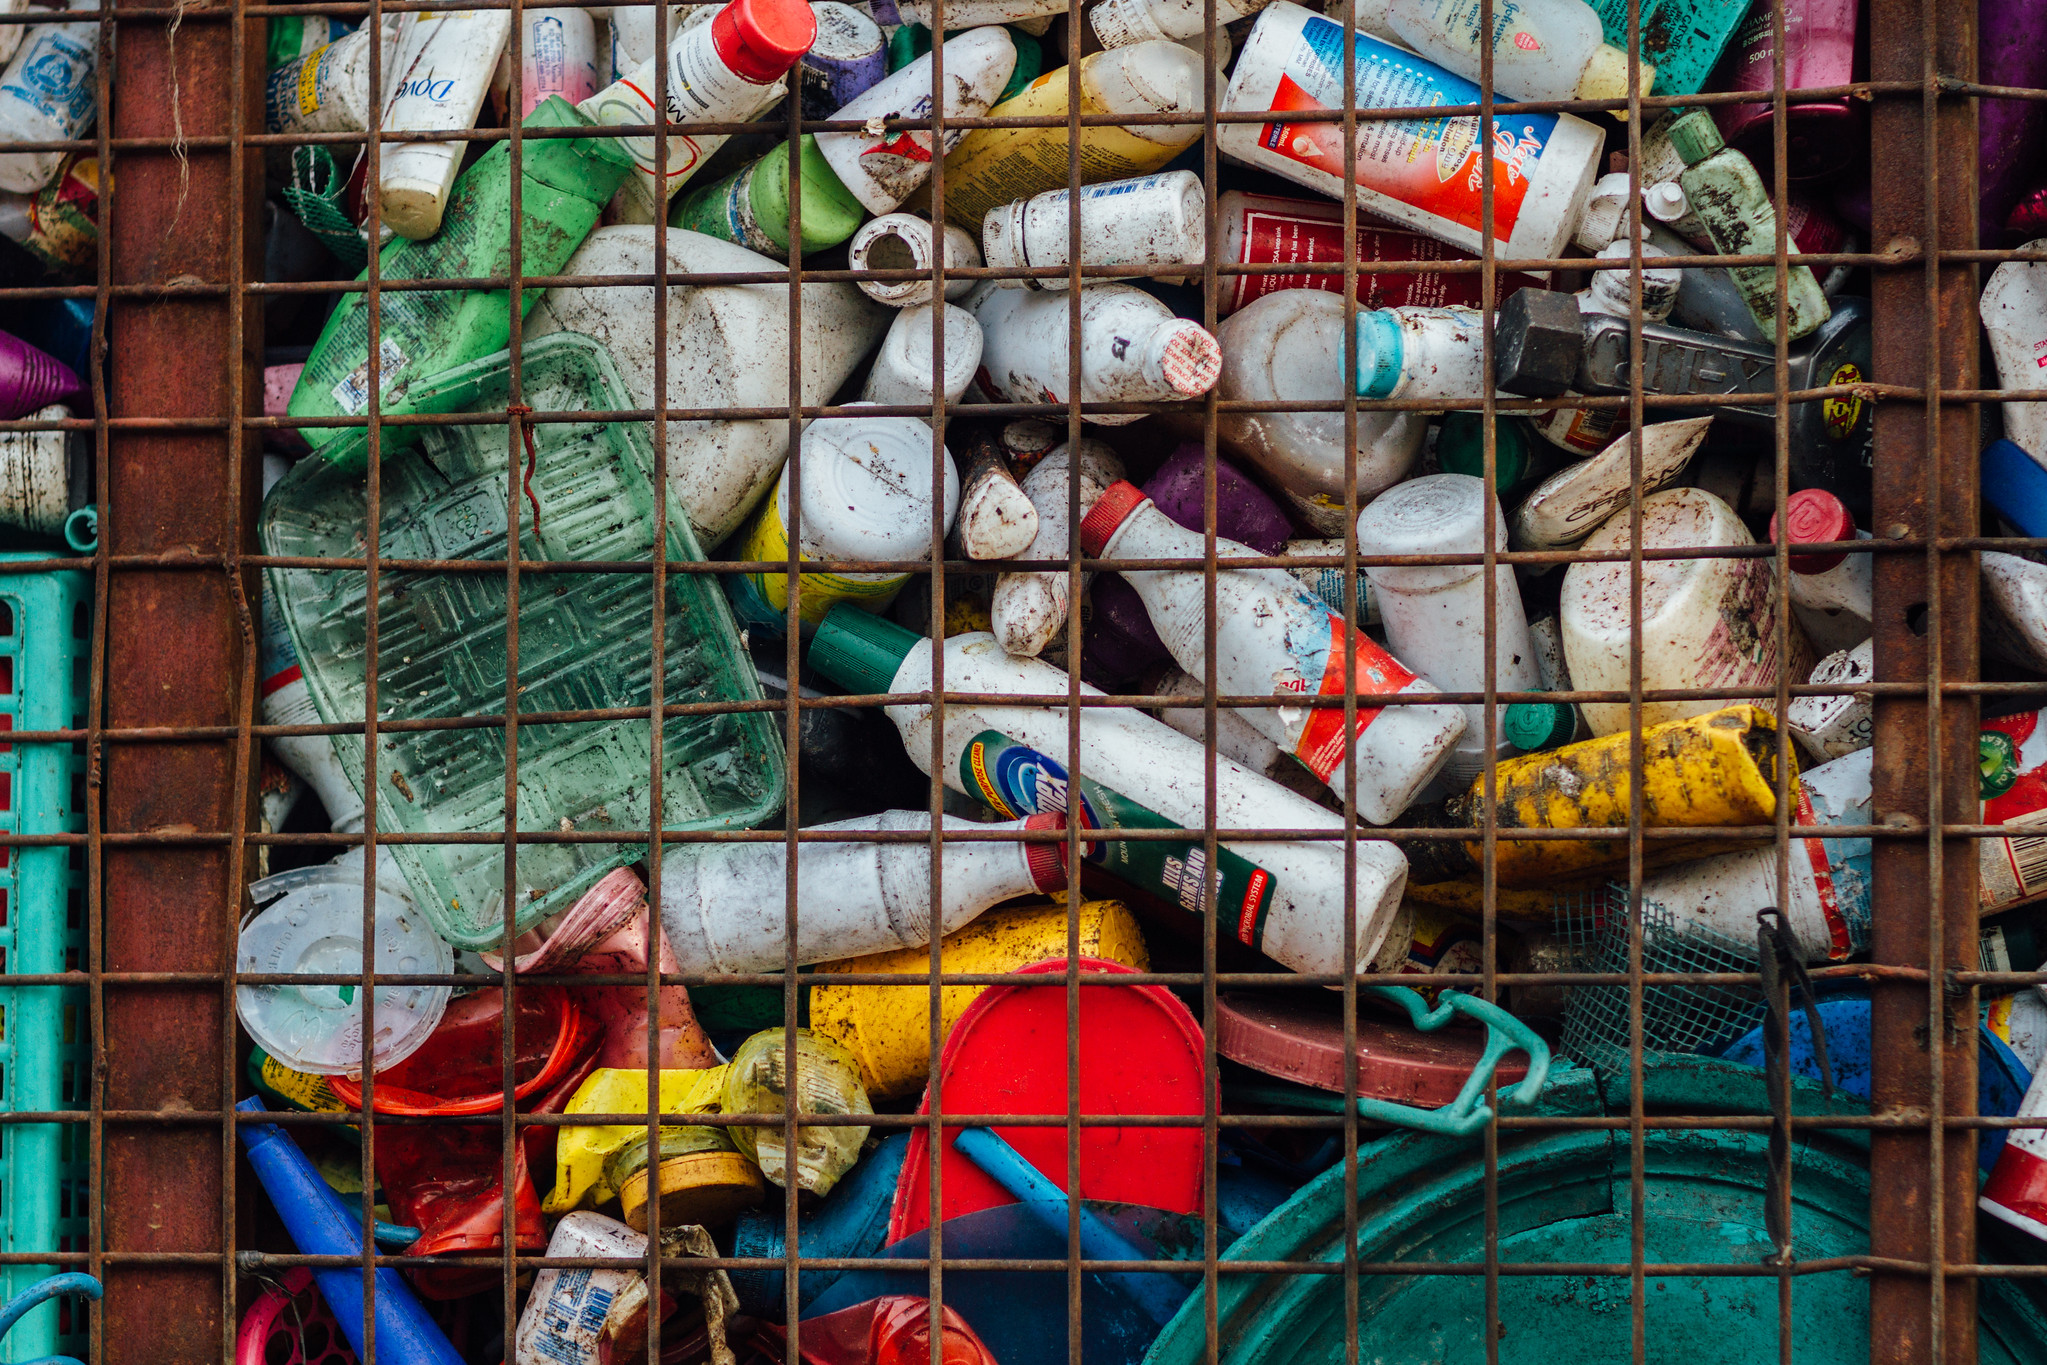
<point>1542,49</point>
<point>1435,615</point>
<point>1274,636</point>
<point>1028,609</point>
<point>1832,593</point>
<point>728,70</point>
<point>1132,349</point>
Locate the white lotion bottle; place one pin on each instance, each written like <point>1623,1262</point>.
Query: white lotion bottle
<point>1132,349</point>
<point>1119,23</point>
<point>880,168</point>
<point>902,367</point>
<point>1148,220</point>
<point>1542,49</point>
<point>557,56</point>
<point>2014,311</point>
<point>436,84</point>
<point>1029,606</point>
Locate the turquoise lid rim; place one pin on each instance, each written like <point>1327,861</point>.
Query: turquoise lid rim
<point>1381,353</point>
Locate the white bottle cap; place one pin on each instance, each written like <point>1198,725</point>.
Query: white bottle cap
<point>1148,78</point>
<point>413,183</point>
<point>1666,202</point>
<point>1439,514</point>
<point>1605,214</point>
<point>1660,284</point>
<point>1185,357</point>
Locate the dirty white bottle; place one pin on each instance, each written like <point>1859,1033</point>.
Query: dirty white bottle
<point>961,14</point>
<point>328,89</point>
<point>1708,300</point>
<point>47,95</point>
<point>728,69</point>
<point>1148,220</point>
<point>1119,23</point>
<point>1832,727</point>
<point>2014,310</point>
<point>1435,615</point>
<point>2014,600</point>
<point>287,699</point>
<point>1235,737</point>
<point>1542,49</point>
<point>35,475</point>
<point>1288,347</point>
<point>557,56</point>
<point>1577,499</point>
<point>882,169</point>
<point>1416,173</point>
<point>722,905</point>
<point>11,34</point>
<point>564,1319</point>
<point>866,494</point>
<point>728,346</point>
<point>1705,622</point>
<point>908,241</point>
<point>1136,756</point>
<point>1421,353</point>
<point>1029,606</point>
<point>633,37</point>
<point>1274,636</point>
<point>902,367</point>
<point>1832,594</point>
<point>436,84</point>
<point>1327,583</point>
<point>1132,349</point>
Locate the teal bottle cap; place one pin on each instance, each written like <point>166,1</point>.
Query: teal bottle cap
<point>1695,137</point>
<point>1380,353</point>
<point>1534,725</point>
<point>1460,448</point>
<point>860,651</point>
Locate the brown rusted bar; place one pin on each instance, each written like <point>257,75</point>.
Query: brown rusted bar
<point>175,658</point>
<point>1923,1037</point>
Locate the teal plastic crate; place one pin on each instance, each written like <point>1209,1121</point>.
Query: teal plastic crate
<point>45,630</point>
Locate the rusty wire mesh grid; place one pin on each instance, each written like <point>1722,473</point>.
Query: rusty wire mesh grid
<point>172,734</point>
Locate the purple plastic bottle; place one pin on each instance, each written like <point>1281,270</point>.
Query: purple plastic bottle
<point>2011,49</point>
<point>31,378</point>
<point>1243,511</point>
<point>1121,642</point>
<point>1819,51</point>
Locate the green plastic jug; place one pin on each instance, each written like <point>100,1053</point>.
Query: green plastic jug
<point>585,642</point>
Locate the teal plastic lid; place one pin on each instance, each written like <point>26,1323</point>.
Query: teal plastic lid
<point>1380,353</point>
<point>1460,448</point>
<point>1695,137</point>
<point>860,651</point>
<point>1534,725</point>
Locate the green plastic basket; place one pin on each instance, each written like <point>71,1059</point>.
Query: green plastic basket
<point>45,630</point>
<point>585,642</point>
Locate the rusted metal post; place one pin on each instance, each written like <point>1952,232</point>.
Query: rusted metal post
<point>1923,1179</point>
<point>176,656</point>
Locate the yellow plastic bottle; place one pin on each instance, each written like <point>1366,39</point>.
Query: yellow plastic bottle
<point>580,1153</point>
<point>994,166</point>
<point>888,1028</point>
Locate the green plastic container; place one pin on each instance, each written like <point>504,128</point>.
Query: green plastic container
<point>584,642</point>
<point>1564,1197</point>
<point>751,206</point>
<point>45,1055</point>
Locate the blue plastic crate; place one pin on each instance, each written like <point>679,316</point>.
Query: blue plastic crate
<point>45,1063</point>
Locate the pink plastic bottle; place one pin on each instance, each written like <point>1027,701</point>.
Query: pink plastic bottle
<point>1819,51</point>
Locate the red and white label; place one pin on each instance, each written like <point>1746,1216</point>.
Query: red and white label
<point>1321,745</point>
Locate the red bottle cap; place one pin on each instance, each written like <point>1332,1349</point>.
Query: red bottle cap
<point>1110,511</point>
<point>1816,517</point>
<point>759,40</point>
<point>1047,862</point>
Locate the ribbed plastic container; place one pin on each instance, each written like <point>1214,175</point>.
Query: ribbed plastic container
<point>45,638</point>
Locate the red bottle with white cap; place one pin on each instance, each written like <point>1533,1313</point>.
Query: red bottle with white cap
<point>1275,636</point>
<point>1831,592</point>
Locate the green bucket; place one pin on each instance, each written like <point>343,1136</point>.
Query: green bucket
<point>1563,1197</point>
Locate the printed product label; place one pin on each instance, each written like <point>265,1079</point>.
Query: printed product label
<point>572,1316</point>
<point>698,85</point>
<point>1428,163</point>
<point>1276,236</point>
<point>1004,165</point>
<point>279,661</point>
<point>1319,643</point>
<point>547,69</point>
<point>1016,780</point>
<point>768,539</point>
<point>1840,875</point>
<point>53,74</point>
<point>307,1092</point>
<point>63,217</point>
<point>2013,754</point>
<point>1842,413</point>
<point>352,394</point>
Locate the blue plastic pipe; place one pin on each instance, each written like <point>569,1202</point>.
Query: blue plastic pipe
<point>1155,1294</point>
<point>322,1225</point>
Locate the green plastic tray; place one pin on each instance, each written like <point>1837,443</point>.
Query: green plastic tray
<point>585,642</point>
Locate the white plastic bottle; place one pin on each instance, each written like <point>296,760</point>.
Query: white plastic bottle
<point>1542,49</point>
<point>908,241</point>
<point>722,904</point>
<point>1827,899</point>
<point>1435,616</point>
<point>1235,737</point>
<point>1119,23</point>
<point>1832,594</point>
<point>1705,623</point>
<point>866,494</point>
<point>1288,347</point>
<point>902,367</point>
<point>2014,621</point>
<point>2014,310</point>
<point>961,14</point>
<point>436,84</point>
<point>881,169</point>
<point>633,39</point>
<point>1835,726</point>
<point>287,699</point>
<point>1421,174</point>
<point>1132,349</point>
<point>557,55</point>
<point>564,1319</point>
<point>35,476</point>
<point>1577,499</point>
<point>1274,636</point>
<point>1028,607</point>
<point>1138,757</point>
<point>1421,353</point>
<point>1148,220</point>
<point>47,95</point>
<point>11,34</point>
<point>727,70</point>
<point>728,346</point>
<point>328,89</point>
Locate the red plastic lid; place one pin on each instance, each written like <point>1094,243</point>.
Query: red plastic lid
<point>1297,1036</point>
<point>1140,1053</point>
<point>1110,511</point>
<point>759,40</point>
<point>1815,518</point>
<point>1047,862</point>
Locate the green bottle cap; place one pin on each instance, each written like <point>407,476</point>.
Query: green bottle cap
<point>1695,137</point>
<point>860,651</point>
<point>1531,726</point>
<point>1380,353</point>
<point>1460,448</point>
<point>906,45</point>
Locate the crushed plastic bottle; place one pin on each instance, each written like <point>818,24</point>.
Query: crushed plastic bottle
<point>827,1081</point>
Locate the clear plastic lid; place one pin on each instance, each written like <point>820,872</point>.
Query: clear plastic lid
<point>315,927</point>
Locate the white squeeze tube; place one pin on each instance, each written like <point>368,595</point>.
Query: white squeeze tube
<point>882,169</point>
<point>1119,23</point>
<point>1424,175</point>
<point>908,241</point>
<point>558,56</point>
<point>437,84</point>
<point>1542,49</point>
<point>1029,605</point>
<point>1137,757</point>
<point>902,368</point>
<point>726,70</point>
<point>1132,349</point>
<point>1275,636</point>
<point>1149,220</point>
<point>46,95</point>
<point>633,39</point>
<point>2014,309</point>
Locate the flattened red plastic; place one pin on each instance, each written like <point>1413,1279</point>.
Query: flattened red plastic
<point>1298,1036</point>
<point>1140,1053</point>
